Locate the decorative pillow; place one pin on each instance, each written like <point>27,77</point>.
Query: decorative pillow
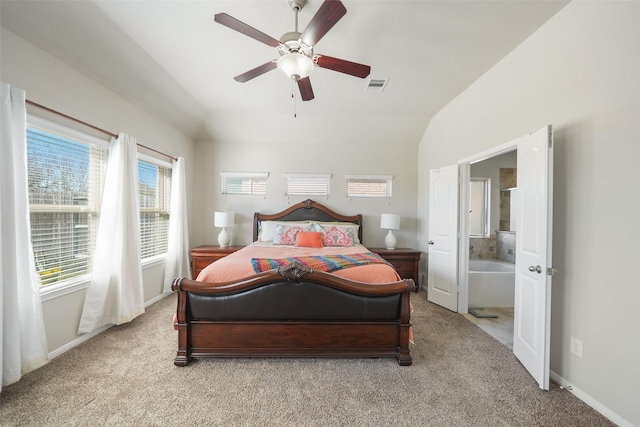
<point>309,239</point>
<point>268,228</point>
<point>286,234</point>
<point>337,236</point>
<point>350,228</point>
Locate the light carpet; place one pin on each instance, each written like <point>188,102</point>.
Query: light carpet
<point>125,376</point>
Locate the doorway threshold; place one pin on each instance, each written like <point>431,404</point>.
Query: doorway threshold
<point>482,313</point>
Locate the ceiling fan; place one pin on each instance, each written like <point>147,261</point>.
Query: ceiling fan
<point>297,59</point>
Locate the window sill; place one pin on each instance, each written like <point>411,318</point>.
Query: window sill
<point>55,291</point>
<point>154,260</point>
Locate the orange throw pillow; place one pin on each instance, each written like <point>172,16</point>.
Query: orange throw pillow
<point>309,239</point>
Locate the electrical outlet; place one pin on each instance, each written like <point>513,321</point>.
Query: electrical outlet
<point>576,347</point>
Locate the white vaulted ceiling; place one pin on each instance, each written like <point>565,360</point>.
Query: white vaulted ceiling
<point>173,60</point>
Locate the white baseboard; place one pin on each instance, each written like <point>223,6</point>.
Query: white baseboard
<point>589,400</point>
<point>158,298</point>
<point>68,346</point>
<point>60,350</point>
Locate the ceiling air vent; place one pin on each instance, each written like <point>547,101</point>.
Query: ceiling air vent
<point>376,85</point>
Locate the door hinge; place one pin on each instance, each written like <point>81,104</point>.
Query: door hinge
<point>551,271</point>
<point>550,138</point>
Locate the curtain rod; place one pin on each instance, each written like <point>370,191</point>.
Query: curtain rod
<point>106,132</point>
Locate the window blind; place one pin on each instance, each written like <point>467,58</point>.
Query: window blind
<point>369,186</point>
<point>307,184</point>
<point>154,192</point>
<point>65,181</point>
<point>247,183</point>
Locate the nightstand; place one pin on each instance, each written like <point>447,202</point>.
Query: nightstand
<point>202,256</point>
<point>406,261</point>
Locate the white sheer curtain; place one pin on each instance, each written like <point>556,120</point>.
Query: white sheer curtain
<point>23,343</point>
<point>115,294</point>
<point>178,251</point>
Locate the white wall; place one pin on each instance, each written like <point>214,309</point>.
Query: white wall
<point>49,82</point>
<point>297,154</point>
<point>578,72</point>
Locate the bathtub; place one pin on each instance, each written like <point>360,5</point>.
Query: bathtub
<point>491,283</point>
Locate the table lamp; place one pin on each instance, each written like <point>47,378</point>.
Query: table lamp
<point>224,220</point>
<point>390,222</point>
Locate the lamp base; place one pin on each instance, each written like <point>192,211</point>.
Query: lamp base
<point>224,238</point>
<point>390,240</point>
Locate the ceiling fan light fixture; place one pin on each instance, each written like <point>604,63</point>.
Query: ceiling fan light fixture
<point>295,65</point>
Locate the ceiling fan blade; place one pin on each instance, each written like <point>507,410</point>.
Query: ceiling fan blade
<point>342,66</point>
<point>247,30</point>
<point>258,71</point>
<point>327,16</point>
<point>306,92</point>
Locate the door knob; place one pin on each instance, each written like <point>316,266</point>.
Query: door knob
<point>537,269</point>
<point>430,242</point>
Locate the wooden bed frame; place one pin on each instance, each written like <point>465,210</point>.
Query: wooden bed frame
<point>294,311</point>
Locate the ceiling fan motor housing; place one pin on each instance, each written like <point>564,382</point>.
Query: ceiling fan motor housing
<point>291,42</point>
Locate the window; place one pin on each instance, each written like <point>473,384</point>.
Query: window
<point>479,196</point>
<point>250,183</point>
<point>303,184</point>
<point>65,175</point>
<point>369,186</point>
<point>154,188</point>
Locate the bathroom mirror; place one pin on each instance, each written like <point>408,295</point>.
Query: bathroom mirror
<point>508,198</point>
<point>508,205</point>
<point>479,206</point>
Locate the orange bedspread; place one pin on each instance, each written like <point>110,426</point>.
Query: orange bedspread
<point>238,264</point>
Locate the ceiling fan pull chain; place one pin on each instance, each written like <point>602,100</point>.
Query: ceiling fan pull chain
<point>293,95</point>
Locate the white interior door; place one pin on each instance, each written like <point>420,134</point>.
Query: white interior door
<point>443,237</point>
<point>532,305</point>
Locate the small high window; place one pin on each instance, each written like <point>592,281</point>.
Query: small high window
<point>307,184</point>
<point>248,183</point>
<point>369,186</point>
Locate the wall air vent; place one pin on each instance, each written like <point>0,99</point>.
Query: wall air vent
<point>376,85</point>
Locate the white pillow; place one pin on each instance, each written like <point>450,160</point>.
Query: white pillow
<point>268,229</point>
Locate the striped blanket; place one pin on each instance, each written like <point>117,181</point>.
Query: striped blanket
<point>326,263</point>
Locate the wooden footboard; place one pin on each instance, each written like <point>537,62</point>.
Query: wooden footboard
<point>293,312</point>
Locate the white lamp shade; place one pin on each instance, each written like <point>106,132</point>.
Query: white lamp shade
<point>295,65</point>
<point>390,221</point>
<point>224,219</point>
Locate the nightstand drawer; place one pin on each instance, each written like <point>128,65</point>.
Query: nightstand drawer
<point>200,263</point>
<point>405,269</point>
<point>405,261</point>
<point>202,256</point>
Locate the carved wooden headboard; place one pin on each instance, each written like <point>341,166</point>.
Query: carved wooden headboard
<point>307,210</point>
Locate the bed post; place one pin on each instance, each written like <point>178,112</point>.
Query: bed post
<point>183,355</point>
<point>404,358</point>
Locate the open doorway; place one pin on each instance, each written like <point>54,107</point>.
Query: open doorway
<point>449,232</point>
<point>491,230</point>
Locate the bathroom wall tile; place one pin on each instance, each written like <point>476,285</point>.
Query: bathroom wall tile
<point>508,178</point>
<point>482,248</point>
<point>506,244</point>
